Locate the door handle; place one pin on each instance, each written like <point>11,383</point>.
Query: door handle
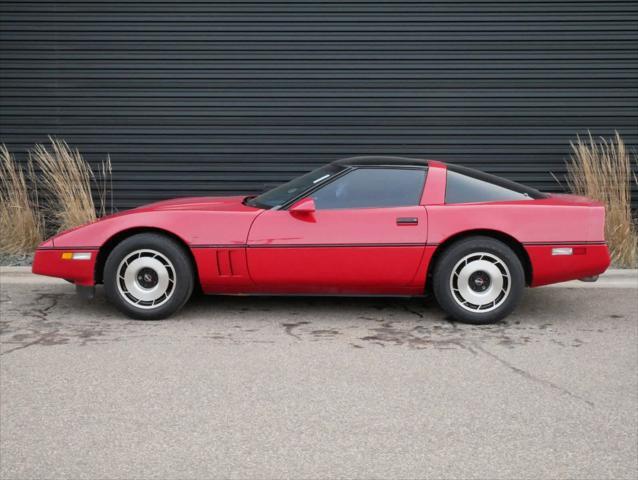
<point>407,221</point>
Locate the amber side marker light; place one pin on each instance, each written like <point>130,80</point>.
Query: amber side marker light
<point>76,256</point>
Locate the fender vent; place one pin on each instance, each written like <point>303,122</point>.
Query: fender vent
<point>227,265</point>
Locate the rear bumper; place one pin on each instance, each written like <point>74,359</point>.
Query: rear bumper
<point>587,260</point>
<point>49,262</point>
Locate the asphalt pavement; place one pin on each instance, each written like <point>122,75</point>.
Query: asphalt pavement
<point>277,387</point>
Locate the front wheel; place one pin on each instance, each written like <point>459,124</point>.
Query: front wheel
<point>148,276</point>
<point>478,280</point>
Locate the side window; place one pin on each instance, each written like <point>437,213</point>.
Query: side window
<point>464,189</point>
<point>372,187</point>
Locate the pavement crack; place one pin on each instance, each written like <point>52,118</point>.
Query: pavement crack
<point>412,311</point>
<point>45,339</point>
<point>51,297</point>
<point>525,374</point>
<point>289,327</point>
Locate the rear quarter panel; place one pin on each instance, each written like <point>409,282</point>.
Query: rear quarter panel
<point>526,221</point>
<point>540,225</point>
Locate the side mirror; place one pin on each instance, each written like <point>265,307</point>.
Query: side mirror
<point>304,206</point>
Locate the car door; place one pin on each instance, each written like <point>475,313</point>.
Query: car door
<point>367,234</point>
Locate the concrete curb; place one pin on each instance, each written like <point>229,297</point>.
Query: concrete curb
<point>612,278</point>
<point>18,270</point>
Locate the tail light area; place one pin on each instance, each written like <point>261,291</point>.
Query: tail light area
<point>561,263</point>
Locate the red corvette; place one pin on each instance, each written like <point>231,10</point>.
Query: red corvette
<point>364,225</point>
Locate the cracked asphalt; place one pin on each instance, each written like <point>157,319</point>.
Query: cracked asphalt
<point>272,387</point>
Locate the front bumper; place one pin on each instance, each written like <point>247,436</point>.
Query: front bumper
<point>53,262</point>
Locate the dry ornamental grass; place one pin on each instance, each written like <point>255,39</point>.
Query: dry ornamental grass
<point>20,223</point>
<point>602,170</point>
<point>67,181</point>
<point>64,182</point>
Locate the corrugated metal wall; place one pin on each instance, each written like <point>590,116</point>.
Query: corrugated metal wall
<point>202,97</point>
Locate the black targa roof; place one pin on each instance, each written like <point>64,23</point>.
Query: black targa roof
<point>377,160</point>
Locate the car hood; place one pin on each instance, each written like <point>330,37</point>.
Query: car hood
<point>220,204</point>
<point>186,218</point>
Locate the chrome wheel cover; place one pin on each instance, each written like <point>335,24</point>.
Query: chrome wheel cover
<point>480,282</point>
<point>146,279</point>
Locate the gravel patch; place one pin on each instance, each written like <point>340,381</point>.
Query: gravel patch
<point>7,260</point>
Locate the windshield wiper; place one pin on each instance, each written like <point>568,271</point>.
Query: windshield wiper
<point>247,200</point>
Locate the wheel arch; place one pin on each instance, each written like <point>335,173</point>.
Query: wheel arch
<point>516,246</point>
<point>108,246</point>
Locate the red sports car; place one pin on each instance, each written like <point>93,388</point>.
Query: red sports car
<point>359,226</point>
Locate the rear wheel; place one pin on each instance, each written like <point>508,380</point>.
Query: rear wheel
<point>148,276</point>
<point>478,280</point>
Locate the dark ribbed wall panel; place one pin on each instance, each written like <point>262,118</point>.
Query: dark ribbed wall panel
<point>193,98</point>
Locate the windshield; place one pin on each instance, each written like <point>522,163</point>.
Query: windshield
<point>282,194</point>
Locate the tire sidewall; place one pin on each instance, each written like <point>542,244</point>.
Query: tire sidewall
<point>176,255</point>
<point>453,254</point>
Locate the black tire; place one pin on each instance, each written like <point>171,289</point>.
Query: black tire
<point>452,269</point>
<point>139,249</point>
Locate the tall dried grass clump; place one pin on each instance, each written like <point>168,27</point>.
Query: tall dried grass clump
<point>67,182</point>
<point>602,170</point>
<point>20,223</point>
